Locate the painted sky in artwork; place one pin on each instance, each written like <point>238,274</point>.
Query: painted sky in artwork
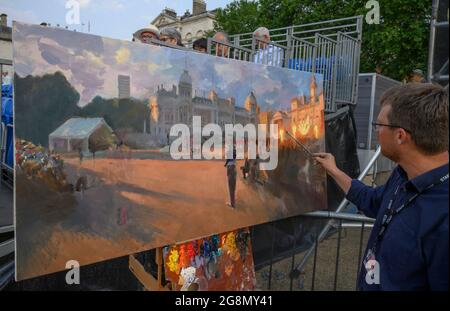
<point>92,64</point>
<point>112,18</point>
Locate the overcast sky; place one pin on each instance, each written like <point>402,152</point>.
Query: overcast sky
<point>91,64</point>
<point>117,19</point>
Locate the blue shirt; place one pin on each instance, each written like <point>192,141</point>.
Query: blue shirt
<point>413,252</point>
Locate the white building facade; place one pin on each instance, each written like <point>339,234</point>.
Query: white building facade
<point>192,26</point>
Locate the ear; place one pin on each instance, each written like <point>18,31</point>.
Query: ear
<point>402,136</point>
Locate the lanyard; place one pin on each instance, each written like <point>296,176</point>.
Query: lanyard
<point>390,212</point>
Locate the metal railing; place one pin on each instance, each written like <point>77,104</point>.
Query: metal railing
<point>269,53</point>
<point>228,50</point>
<point>439,75</point>
<point>167,45</point>
<point>331,48</point>
<point>344,223</point>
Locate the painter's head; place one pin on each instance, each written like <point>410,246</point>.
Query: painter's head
<point>413,118</point>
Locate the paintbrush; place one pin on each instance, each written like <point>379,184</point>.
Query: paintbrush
<point>301,145</point>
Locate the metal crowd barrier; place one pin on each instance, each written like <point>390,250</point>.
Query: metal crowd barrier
<point>438,24</point>
<point>331,48</point>
<point>228,50</point>
<point>269,53</point>
<point>6,172</point>
<point>337,222</point>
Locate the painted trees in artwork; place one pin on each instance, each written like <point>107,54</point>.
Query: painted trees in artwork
<point>101,140</point>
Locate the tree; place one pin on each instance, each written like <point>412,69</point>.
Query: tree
<point>100,140</point>
<point>42,104</point>
<point>395,47</point>
<point>119,113</point>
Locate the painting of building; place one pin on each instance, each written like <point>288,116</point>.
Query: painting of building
<point>124,86</point>
<point>180,104</point>
<point>306,118</point>
<point>95,176</point>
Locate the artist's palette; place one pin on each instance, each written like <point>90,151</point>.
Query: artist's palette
<point>219,262</point>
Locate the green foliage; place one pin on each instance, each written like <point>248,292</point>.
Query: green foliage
<point>395,47</point>
<point>42,104</point>
<point>119,113</point>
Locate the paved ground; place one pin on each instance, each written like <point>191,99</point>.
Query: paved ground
<point>325,266</point>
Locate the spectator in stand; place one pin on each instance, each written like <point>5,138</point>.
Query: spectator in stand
<point>267,53</point>
<point>200,45</point>
<point>222,50</point>
<point>171,36</point>
<point>147,34</point>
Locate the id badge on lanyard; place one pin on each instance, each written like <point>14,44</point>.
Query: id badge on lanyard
<point>370,260</point>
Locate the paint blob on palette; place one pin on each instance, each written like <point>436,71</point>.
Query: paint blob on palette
<point>217,263</point>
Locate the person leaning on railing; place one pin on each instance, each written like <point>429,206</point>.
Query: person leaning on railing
<point>222,50</point>
<point>408,246</point>
<point>266,52</point>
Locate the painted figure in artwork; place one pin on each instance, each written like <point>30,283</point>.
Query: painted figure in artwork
<point>230,165</point>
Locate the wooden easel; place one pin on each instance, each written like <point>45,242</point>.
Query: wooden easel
<point>146,279</point>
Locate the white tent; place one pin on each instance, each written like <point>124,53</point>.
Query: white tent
<point>74,134</point>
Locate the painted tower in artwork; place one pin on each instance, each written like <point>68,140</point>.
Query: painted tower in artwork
<point>305,120</point>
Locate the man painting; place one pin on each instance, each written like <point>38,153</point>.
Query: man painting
<point>409,241</point>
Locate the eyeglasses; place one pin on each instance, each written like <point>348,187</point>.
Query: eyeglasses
<point>376,126</point>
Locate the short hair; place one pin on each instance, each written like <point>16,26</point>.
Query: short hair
<point>171,33</point>
<point>261,32</point>
<point>222,33</point>
<point>422,110</point>
<point>200,43</point>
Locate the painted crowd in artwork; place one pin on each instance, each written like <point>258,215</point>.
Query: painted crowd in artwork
<point>95,178</point>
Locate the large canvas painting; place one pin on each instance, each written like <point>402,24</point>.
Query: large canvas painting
<point>96,175</point>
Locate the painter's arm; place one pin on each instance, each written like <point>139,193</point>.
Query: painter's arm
<point>329,164</point>
<point>367,199</point>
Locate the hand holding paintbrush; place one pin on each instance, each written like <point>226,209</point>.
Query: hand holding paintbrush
<point>306,150</point>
